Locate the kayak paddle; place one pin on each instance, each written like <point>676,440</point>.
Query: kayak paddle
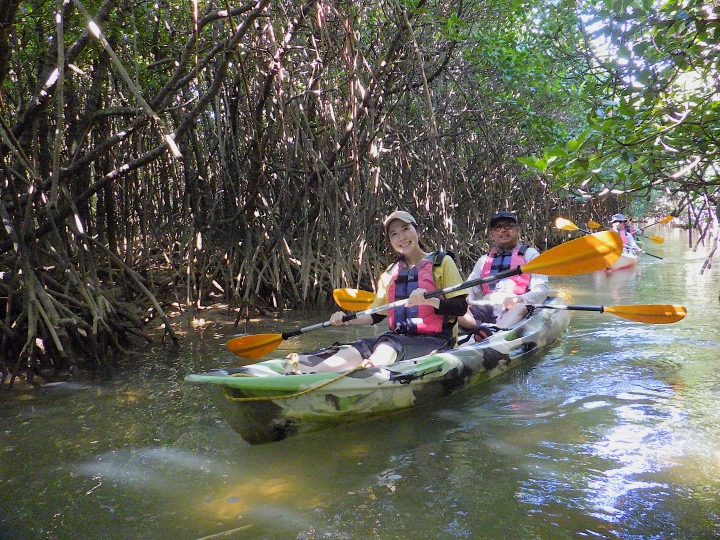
<point>262,344</point>
<point>653,238</point>
<point>645,313</point>
<point>666,219</point>
<point>353,299</point>
<point>567,225</point>
<point>582,255</point>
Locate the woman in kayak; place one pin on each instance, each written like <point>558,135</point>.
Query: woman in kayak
<point>619,223</point>
<point>422,325</point>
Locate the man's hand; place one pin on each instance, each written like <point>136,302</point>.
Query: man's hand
<point>512,301</point>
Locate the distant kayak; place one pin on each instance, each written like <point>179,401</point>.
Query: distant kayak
<point>265,403</point>
<point>628,259</point>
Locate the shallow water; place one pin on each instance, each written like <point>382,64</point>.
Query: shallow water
<point>614,433</point>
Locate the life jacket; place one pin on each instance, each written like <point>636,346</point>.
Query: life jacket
<point>416,319</point>
<point>630,229</point>
<point>499,261</point>
<point>624,235</point>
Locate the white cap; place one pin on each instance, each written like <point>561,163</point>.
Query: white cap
<point>403,216</point>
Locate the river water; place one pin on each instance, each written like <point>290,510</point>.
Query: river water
<point>614,433</point>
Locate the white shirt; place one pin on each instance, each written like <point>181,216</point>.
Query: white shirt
<point>502,289</point>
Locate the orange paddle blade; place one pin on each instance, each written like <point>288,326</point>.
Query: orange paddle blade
<point>593,224</point>
<point>580,256</point>
<point>565,225</point>
<point>650,313</point>
<point>254,346</point>
<point>656,239</point>
<point>666,219</point>
<point>353,299</point>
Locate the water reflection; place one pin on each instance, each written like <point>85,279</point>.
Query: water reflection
<point>198,485</point>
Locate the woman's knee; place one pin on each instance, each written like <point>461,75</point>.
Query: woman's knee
<point>383,355</point>
<point>344,359</point>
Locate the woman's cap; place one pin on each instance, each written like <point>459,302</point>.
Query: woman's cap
<point>503,216</point>
<point>403,216</point>
<point>619,218</point>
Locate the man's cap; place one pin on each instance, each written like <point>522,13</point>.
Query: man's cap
<point>503,216</point>
<point>618,217</point>
<point>402,215</point>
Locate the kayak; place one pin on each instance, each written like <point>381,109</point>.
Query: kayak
<point>628,259</point>
<point>267,402</point>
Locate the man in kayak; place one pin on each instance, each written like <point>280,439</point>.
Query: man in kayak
<point>501,304</point>
<point>619,223</point>
<point>422,325</point>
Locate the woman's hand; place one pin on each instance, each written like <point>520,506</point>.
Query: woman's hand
<point>417,298</point>
<point>336,319</point>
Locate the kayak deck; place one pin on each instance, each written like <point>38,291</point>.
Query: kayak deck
<point>628,259</point>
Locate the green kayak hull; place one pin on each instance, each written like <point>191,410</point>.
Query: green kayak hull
<point>264,404</point>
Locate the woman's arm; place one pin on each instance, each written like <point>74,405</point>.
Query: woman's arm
<point>455,306</point>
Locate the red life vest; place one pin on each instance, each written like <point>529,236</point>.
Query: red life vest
<point>416,319</point>
<point>500,261</point>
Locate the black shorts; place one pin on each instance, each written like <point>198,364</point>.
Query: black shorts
<point>407,346</point>
<point>483,313</point>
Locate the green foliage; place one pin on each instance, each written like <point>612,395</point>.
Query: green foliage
<point>651,100</point>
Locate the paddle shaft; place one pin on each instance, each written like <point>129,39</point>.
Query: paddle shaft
<point>664,220</point>
<point>651,255</point>
<point>299,331</point>
<point>600,309</point>
<point>431,294</point>
<point>643,251</point>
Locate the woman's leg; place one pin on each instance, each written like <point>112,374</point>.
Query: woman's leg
<point>383,355</point>
<point>350,358</point>
<point>344,359</point>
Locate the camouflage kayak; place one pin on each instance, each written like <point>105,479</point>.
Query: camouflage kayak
<point>264,404</point>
